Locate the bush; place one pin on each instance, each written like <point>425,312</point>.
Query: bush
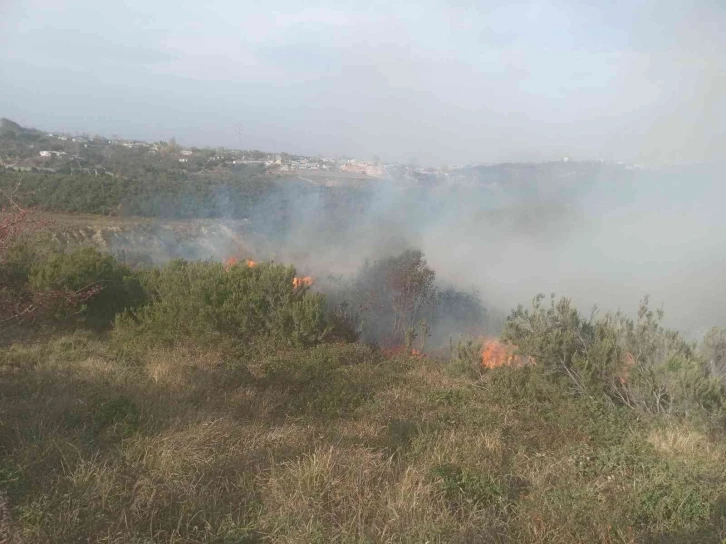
<point>120,288</point>
<point>395,293</point>
<point>635,362</point>
<point>17,262</point>
<point>396,301</point>
<point>207,303</point>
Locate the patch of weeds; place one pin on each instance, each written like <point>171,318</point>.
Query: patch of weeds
<point>527,384</point>
<point>465,488</point>
<point>401,433</point>
<point>78,341</point>
<point>320,382</point>
<point>120,413</point>
<point>602,422</point>
<point>73,419</point>
<point>456,398</point>
<point>336,397</point>
<point>20,356</point>
<point>675,503</point>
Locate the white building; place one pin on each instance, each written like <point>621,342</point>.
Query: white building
<point>45,153</point>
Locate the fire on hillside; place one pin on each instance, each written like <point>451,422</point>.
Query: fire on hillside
<point>302,281</point>
<point>496,354</point>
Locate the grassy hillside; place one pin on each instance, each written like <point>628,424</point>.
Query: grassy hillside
<point>334,443</point>
<point>226,404</point>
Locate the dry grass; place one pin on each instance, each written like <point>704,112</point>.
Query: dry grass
<point>683,442</point>
<point>331,444</point>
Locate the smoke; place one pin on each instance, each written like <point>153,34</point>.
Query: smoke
<point>602,234</point>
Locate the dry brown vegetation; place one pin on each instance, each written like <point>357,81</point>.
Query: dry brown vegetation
<point>334,443</point>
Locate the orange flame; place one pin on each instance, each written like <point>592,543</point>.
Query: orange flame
<point>307,281</point>
<point>496,354</point>
<point>229,263</point>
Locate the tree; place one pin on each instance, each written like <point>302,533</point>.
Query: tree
<point>395,294</point>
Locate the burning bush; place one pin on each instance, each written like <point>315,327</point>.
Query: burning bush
<point>496,354</point>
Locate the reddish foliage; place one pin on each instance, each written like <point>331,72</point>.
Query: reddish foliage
<point>16,308</point>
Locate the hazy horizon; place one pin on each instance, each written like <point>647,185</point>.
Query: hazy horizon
<point>432,82</point>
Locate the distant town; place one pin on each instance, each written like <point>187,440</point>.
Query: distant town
<point>35,150</point>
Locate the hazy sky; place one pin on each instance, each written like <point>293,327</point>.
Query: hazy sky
<point>636,80</point>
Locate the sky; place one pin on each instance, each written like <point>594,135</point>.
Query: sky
<point>431,82</point>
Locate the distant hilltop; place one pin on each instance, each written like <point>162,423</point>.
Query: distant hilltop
<point>8,126</point>
<point>23,148</point>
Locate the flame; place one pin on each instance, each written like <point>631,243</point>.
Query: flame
<point>307,281</point>
<point>229,263</point>
<point>496,354</point>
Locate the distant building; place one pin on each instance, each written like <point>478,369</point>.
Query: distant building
<point>182,160</point>
<point>52,153</point>
<point>186,152</point>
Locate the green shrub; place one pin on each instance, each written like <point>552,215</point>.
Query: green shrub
<point>529,384</point>
<point>467,358</point>
<point>75,271</point>
<point>208,303</point>
<point>16,265</point>
<point>636,362</point>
